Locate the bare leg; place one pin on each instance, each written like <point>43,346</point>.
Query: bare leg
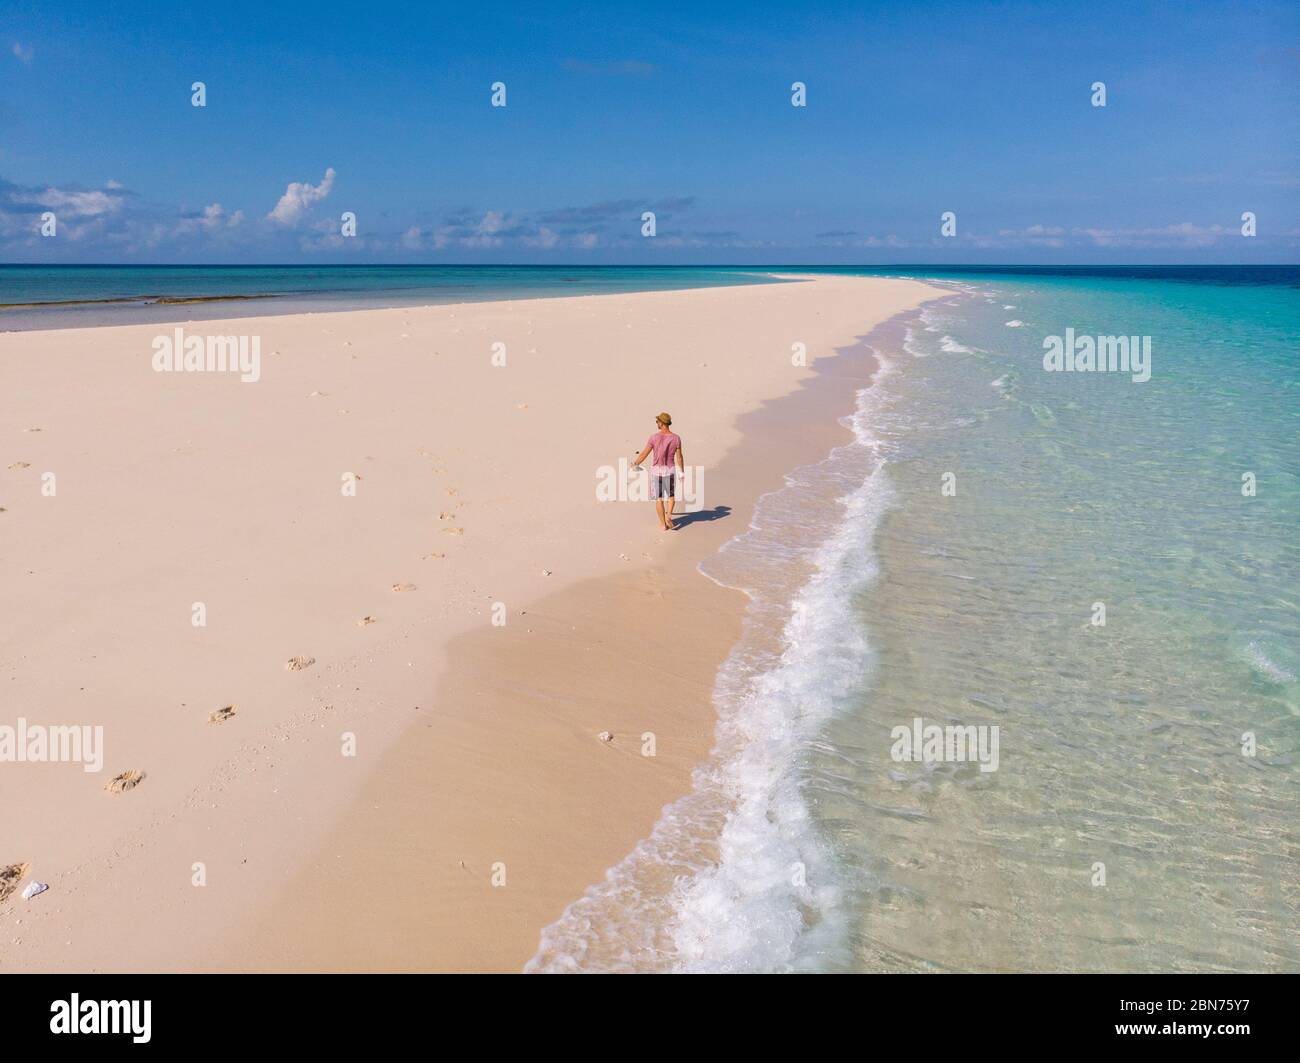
<point>669,523</point>
<point>659,508</point>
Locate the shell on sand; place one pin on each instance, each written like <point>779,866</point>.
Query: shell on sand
<point>10,876</point>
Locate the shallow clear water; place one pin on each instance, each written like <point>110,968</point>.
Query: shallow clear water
<point>1124,827</point>
<point>1121,744</point>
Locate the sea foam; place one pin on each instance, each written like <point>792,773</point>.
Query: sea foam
<point>736,875</point>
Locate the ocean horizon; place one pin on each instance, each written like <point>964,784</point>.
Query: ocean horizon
<point>88,295</point>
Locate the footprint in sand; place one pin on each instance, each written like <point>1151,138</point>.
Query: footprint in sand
<point>453,531</point>
<point>432,557</point>
<point>10,876</point>
<point>365,620</point>
<point>128,780</point>
<point>402,588</point>
<point>21,465</point>
<point>297,664</point>
<point>222,715</point>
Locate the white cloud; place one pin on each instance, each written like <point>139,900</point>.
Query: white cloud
<point>1034,232</point>
<point>213,218</point>
<point>487,232</point>
<point>884,241</point>
<point>299,196</point>
<point>544,237</point>
<point>80,204</point>
<point>24,53</point>
<point>1183,234</point>
<point>1180,236</point>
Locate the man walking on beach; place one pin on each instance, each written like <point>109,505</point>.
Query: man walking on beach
<point>666,446</point>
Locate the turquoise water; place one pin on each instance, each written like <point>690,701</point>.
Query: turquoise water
<point>1121,744</point>
<point>1125,828</point>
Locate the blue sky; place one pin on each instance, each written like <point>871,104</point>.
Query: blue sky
<point>913,109</point>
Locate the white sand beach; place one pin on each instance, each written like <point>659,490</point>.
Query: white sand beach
<point>423,789</point>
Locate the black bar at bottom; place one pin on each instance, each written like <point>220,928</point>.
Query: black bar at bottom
<point>382,1012</point>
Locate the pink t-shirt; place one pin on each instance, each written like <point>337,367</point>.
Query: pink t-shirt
<point>663,448</point>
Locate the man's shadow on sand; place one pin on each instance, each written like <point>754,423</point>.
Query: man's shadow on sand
<point>716,513</point>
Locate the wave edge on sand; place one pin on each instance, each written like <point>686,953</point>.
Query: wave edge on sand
<point>735,876</point>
